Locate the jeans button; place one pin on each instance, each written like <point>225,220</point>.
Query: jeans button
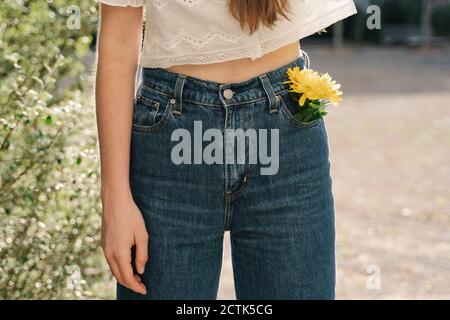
<point>228,93</point>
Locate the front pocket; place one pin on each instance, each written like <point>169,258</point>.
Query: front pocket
<point>150,113</point>
<point>289,108</point>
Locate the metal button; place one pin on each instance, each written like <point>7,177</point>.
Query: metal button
<point>155,105</point>
<point>228,93</point>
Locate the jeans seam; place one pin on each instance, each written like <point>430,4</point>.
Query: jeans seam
<point>227,211</point>
<point>232,196</point>
<point>210,104</point>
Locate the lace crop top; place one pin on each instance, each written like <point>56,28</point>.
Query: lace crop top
<point>202,31</point>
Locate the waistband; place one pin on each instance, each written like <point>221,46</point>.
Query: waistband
<point>187,88</point>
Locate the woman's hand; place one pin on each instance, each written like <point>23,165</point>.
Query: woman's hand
<point>122,228</point>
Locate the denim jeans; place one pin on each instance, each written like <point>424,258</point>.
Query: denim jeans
<point>281,225</point>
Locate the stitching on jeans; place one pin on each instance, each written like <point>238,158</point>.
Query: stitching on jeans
<point>147,102</point>
<point>227,209</point>
<point>211,104</point>
<point>162,122</point>
<point>231,196</point>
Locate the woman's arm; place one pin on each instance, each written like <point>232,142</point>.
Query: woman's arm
<point>119,46</point>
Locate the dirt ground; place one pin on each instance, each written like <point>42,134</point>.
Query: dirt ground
<point>390,155</point>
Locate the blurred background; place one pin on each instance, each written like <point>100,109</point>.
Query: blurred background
<point>389,144</point>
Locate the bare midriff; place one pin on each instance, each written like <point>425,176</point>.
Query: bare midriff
<point>240,69</point>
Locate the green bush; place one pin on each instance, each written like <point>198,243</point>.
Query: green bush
<point>402,11</point>
<point>49,205</point>
<point>441,21</point>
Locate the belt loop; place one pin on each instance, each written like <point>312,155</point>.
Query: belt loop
<point>177,106</point>
<point>273,98</point>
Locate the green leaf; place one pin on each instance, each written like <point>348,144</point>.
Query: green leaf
<point>48,120</point>
<point>323,113</point>
<point>317,104</point>
<point>299,117</point>
<point>304,114</point>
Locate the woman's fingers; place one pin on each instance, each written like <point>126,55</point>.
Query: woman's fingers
<point>120,266</point>
<point>126,272</point>
<point>141,240</point>
<point>120,232</point>
<point>115,270</point>
<point>111,259</point>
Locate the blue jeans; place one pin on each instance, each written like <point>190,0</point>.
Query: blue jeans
<point>281,225</point>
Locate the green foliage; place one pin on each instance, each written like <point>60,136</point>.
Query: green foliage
<point>441,21</point>
<point>312,110</point>
<point>402,11</point>
<point>49,207</point>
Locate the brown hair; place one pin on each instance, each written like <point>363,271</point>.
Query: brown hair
<point>251,13</point>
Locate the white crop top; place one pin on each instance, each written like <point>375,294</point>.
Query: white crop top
<point>202,31</point>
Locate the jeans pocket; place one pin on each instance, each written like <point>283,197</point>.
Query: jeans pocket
<point>151,110</point>
<point>289,108</point>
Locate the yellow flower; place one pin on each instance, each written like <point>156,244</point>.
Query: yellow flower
<point>313,86</point>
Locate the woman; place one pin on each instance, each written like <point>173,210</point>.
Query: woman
<point>178,157</point>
